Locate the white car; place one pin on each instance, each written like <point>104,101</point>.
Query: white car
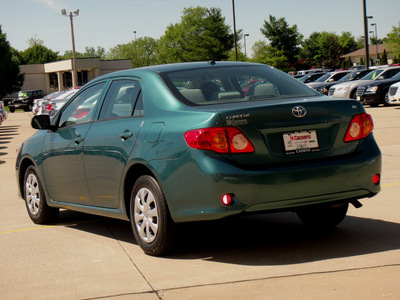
<point>349,89</point>
<point>394,94</point>
<point>49,106</point>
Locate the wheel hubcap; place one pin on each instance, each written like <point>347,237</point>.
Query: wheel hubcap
<point>146,215</point>
<point>32,194</point>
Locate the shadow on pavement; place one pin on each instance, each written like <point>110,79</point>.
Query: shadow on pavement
<point>272,239</point>
<point>6,135</point>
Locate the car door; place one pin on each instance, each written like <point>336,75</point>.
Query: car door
<point>111,139</point>
<point>62,150</point>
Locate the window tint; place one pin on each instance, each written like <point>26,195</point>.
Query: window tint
<point>82,108</point>
<point>120,100</point>
<point>139,107</point>
<point>234,84</point>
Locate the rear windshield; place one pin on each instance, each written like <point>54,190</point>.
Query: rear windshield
<point>216,85</point>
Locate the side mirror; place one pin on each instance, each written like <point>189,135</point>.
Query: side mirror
<point>41,122</point>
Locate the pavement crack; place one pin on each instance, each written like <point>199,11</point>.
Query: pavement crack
<point>133,263</point>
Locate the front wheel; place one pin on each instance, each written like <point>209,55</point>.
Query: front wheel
<point>35,199</point>
<point>323,216</point>
<point>386,101</point>
<point>150,219</point>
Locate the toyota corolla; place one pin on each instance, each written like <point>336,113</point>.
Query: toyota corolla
<point>183,142</point>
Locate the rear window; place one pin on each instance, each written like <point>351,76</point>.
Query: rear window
<point>216,85</point>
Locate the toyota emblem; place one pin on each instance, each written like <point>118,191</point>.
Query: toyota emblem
<point>299,111</point>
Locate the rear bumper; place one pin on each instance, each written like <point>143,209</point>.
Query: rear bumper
<point>202,185</point>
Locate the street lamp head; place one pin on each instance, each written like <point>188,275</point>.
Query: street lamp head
<point>246,34</point>
<point>76,13</point>
<point>63,12</point>
<point>370,17</point>
<point>373,24</point>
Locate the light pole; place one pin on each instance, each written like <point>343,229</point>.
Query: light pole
<point>234,29</point>
<point>74,73</point>
<point>136,64</point>
<point>366,46</point>
<point>376,37</point>
<point>244,38</point>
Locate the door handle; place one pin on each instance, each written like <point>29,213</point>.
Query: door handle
<point>126,135</point>
<point>78,140</point>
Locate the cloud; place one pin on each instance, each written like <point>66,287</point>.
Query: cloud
<point>54,4</point>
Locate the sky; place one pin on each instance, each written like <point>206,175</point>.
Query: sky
<point>109,23</point>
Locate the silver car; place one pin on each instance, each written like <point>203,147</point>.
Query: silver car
<point>348,89</point>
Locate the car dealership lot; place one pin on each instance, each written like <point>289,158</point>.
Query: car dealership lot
<point>268,256</point>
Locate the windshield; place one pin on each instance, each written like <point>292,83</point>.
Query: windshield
<point>323,78</point>
<point>373,74</point>
<point>234,84</point>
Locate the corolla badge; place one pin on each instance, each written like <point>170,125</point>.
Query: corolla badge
<point>299,111</point>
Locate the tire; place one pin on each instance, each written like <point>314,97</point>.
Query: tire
<point>353,94</point>
<point>12,109</point>
<point>151,222</point>
<point>323,216</point>
<point>35,199</point>
<point>385,99</point>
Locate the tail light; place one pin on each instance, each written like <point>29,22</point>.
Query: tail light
<point>219,139</point>
<point>360,127</point>
<point>49,107</point>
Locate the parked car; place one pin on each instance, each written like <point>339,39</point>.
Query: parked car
<point>323,88</point>
<point>327,78</point>
<point>394,94</point>
<point>37,102</point>
<point>3,113</point>
<point>349,89</point>
<point>377,92</point>
<point>165,144</point>
<point>311,77</point>
<point>25,99</point>
<point>51,106</point>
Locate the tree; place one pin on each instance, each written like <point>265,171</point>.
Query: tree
<point>283,37</point>
<point>38,54</point>
<point>310,49</point>
<point>267,54</point>
<point>142,54</point>
<point>89,52</point>
<point>201,35</point>
<point>329,50</point>
<point>347,43</point>
<point>394,40</point>
<point>11,78</point>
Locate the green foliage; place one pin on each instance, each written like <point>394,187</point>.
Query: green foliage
<point>89,52</point>
<point>201,35</point>
<point>347,43</point>
<point>384,59</point>
<point>142,53</point>
<point>267,54</point>
<point>283,38</point>
<point>38,54</point>
<point>394,40</point>
<point>11,78</point>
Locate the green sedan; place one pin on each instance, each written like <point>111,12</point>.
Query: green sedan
<point>184,142</point>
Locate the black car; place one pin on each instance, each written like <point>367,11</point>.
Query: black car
<point>25,99</point>
<point>323,88</point>
<point>378,92</point>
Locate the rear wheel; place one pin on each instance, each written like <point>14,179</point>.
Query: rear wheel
<point>150,219</point>
<point>35,199</point>
<point>323,216</point>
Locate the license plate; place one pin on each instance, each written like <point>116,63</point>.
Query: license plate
<point>301,142</point>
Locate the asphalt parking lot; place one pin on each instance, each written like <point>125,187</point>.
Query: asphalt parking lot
<point>255,257</point>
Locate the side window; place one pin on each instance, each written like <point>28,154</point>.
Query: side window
<point>81,109</point>
<point>139,107</point>
<point>120,100</point>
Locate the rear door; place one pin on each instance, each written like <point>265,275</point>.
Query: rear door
<point>111,139</point>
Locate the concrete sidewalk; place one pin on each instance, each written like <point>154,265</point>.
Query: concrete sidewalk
<point>257,257</point>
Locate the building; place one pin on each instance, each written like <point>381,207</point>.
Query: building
<point>57,76</point>
<point>374,50</point>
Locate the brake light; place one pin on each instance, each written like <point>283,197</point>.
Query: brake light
<point>48,107</point>
<point>219,139</point>
<point>360,127</point>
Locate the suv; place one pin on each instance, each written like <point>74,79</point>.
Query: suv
<point>25,99</point>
